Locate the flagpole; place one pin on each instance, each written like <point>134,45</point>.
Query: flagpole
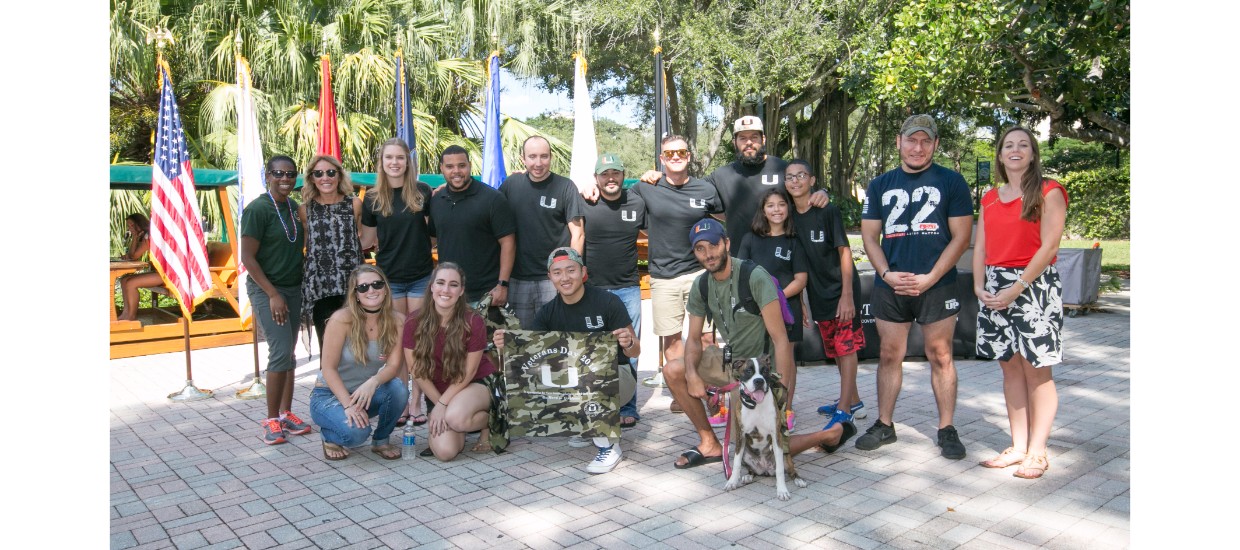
<point>189,392</point>
<point>256,390</point>
<point>656,381</point>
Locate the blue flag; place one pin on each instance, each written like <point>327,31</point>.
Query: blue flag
<point>404,118</point>
<point>493,172</point>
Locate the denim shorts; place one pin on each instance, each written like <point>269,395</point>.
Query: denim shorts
<point>410,290</point>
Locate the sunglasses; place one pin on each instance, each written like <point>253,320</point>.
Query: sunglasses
<point>283,173</point>
<point>331,173</point>
<point>363,288</point>
<point>673,153</point>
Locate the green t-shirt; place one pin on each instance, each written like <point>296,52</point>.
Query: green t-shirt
<point>744,331</point>
<point>281,259</point>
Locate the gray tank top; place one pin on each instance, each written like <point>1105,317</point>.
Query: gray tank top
<point>352,372</point>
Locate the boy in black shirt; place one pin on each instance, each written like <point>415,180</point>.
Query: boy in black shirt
<point>580,308</point>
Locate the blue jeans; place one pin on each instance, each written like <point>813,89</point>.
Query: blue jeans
<point>632,298</point>
<point>388,403</point>
<point>413,290</point>
<point>281,339</point>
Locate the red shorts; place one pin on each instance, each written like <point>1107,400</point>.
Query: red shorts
<point>840,338</point>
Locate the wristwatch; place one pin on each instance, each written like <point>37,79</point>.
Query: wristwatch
<point>503,283</point>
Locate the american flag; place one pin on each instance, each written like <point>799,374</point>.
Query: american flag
<point>178,248</point>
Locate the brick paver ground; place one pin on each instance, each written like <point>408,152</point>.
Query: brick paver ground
<point>196,476</point>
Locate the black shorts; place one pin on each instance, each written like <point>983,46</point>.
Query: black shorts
<point>935,304</point>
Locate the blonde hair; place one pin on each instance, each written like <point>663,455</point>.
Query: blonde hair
<point>389,323</point>
<point>344,185</point>
<point>383,187</point>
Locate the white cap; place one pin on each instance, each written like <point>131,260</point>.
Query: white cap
<point>748,122</point>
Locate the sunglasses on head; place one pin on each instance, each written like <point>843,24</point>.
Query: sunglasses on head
<point>673,153</point>
<point>284,173</point>
<point>331,173</point>
<point>363,288</point>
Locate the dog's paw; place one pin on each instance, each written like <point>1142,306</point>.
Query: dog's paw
<point>800,483</point>
<point>746,479</point>
<point>731,485</point>
<point>783,494</point>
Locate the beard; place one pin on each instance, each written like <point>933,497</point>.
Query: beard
<point>757,159</point>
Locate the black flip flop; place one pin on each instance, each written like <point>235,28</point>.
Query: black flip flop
<point>418,422</point>
<point>850,430</point>
<point>695,459</point>
<point>630,424</point>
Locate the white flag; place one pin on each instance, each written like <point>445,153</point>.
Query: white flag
<point>250,170</point>
<point>585,149</point>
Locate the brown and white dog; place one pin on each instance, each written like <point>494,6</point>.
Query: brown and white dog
<point>759,423</point>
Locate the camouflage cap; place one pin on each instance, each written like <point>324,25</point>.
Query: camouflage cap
<point>920,123</point>
<point>564,253</point>
<point>608,161</point>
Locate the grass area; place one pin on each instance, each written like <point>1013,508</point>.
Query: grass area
<point>1115,254</point>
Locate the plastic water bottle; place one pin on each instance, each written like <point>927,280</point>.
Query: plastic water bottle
<point>408,442</point>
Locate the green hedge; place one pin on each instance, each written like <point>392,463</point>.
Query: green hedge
<point>850,209</point>
<point>1099,203</point>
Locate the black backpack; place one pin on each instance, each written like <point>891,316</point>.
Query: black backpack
<point>745,299</point>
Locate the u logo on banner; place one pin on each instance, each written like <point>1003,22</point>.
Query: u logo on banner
<point>817,236</point>
<point>628,215</point>
<point>542,201</point>
<point>546,380</point>
<point>597,324</point>
<point>770,179</point>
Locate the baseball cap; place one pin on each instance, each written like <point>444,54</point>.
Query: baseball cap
<point>608,161</point>
<point>707,229</point>
<point>747,122</point>
<point>564,253</point>
<point>920,123</point>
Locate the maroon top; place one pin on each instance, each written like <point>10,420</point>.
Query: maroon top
<point>477,341</point>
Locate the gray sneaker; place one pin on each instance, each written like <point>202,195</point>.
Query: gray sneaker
<point>949,440</point>
<point>877,436</point>
<point>578,442</point>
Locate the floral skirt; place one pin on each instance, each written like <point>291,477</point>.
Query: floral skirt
<point>1031,326</point>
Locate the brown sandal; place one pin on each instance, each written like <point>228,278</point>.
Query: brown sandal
<point>483,445</point>
<point>1033,463</point>
<point>1009,457</point>
<point>387,452</point>
<point>341,452</point>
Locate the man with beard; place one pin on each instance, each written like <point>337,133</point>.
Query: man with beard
<point>550,208</point>
<point>923,214</point>
<point>475,228</point>
<point>742,181</point>
<point>747,335</point>
<point>615,221</point>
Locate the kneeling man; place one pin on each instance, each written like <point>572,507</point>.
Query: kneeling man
<point>747,334</point>
<point>578,308</point>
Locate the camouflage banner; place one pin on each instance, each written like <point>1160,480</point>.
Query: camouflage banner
<point>561,383</point>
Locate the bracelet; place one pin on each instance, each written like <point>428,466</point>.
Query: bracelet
<point>884,275</point>
<point>631,344</point>
<point>440,401</point>
<point>1022,283</point>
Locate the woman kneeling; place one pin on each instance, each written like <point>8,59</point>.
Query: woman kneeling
<point>444,342</point>
<point>360,365</point>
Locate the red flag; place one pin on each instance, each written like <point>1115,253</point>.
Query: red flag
<point>178,248</point>
<point>328,136</point>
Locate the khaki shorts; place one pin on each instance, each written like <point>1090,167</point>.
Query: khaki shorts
<point>667,302</point>
<point>711,367</point>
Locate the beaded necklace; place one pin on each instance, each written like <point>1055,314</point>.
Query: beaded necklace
<point>292,217</point>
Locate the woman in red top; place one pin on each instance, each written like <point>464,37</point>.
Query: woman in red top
<point>444,341</point>
<point>1015,280</point>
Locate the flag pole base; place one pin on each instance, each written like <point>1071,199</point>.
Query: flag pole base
<point>256,391</point>
<point>189,393</point>
<point>655,381</point>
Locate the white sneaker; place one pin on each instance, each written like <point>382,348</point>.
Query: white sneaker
<point>606,460</point>
<point>578,442</point>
